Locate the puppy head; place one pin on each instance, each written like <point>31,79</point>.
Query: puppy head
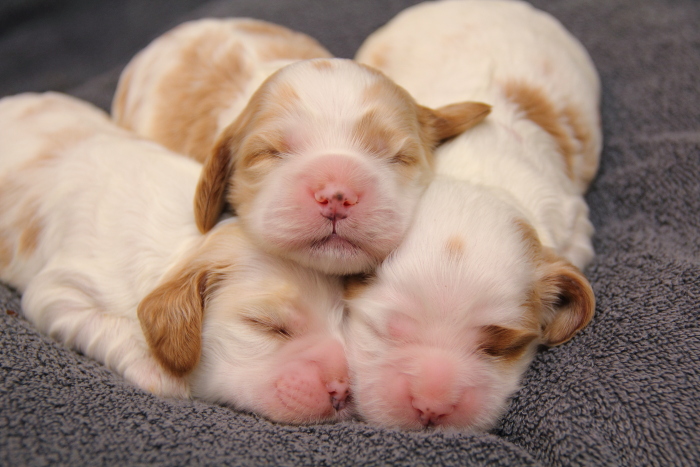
<point>252,331</point>
<point>444,331</point>
<point>326,163</point>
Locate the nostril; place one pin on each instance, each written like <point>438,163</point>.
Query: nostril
<point>336,196</point>
<point>431,414</point>
<point>338,391</point>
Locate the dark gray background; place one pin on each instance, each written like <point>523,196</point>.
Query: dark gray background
<point>623,392</point>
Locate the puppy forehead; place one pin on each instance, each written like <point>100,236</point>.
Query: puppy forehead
<point>338,86</point>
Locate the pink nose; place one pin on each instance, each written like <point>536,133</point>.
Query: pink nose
<point>335,201</point>
<point>431,412</point>
<point>338,390</point>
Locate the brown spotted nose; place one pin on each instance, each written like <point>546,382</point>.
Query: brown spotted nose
<point>335,201</point>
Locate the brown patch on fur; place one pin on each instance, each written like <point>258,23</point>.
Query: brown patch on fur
<point>32,227</point>
<point>274,42</point>
<point>356,284</point>
<point>5,252</point>
<point>286,95</point>
<point>507,344</point>
<point>529,237</point>
<point>379,57</point>
<point>193,94</point>
<point>455,246</point>
<point>322,65</point>
<point>541,111</point>
<point>584,137</point>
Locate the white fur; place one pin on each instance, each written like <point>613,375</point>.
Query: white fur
<point>416,331</point>
<point>94,219</point>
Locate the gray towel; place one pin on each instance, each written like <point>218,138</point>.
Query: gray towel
<point>625,391</point>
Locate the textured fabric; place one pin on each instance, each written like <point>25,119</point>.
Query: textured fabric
<point>624,392</point>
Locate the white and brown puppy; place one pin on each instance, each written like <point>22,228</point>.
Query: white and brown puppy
<point>490,269</point>
<point>324,162</point>
<point>97,232</point>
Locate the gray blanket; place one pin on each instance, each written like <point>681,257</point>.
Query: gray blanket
<point>626,391</point>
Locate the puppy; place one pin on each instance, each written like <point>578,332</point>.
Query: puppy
<point>490,268</point>
<point>324,164</point>
<point>97,232</point>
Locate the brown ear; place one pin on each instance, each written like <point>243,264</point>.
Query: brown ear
<point>171,319</point>
<point>568,300</point>
<point>451,120</point>
<point>212,188</point>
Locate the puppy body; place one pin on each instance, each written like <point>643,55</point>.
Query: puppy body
<point>97,232</point>
<point>490,269</point>
<point>323,163</point>
<point>190,83</point>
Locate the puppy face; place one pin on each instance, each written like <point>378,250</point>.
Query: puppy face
<point>252,331</point>
<point>326,163</point>
<point>443,333</point>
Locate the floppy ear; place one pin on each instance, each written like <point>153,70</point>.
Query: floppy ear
<point>212,188</point>
<point>568,300</point>
<point>171,319</point>
<point>451,120</point>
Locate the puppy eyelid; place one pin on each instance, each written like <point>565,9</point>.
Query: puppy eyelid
<point>403,159</point>
<point>504,342</point>
<point>257,156</point>
<point>268,326</point>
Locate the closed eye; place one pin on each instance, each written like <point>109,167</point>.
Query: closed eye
<point>403,159</point>
<point>262,155</point>
<point>505,343</point>
<point>268,326</point>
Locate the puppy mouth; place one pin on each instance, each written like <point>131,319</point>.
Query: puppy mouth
<point>334,242</point>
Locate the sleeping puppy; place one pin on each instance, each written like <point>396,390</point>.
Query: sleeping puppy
<point>490,268</point>
<point>97,232</point>
<point>323,163</point>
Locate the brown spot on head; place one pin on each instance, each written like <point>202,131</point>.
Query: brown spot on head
<point>322,65</point>
<point>541,111</point>
<point>455,246</point>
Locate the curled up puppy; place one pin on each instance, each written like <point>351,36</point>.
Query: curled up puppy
<point>491,267</point>
<point>323,162</point>
<point>97,232</point>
